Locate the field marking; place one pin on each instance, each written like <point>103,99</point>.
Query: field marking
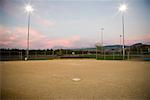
<point>76,79</point>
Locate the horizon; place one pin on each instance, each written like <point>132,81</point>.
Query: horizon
<point>72,24</point>
<point>57,48</point>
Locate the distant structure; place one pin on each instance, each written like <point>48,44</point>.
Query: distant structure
<point>139,48</point>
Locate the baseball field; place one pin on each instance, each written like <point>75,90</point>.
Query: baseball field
<point>75,79</point>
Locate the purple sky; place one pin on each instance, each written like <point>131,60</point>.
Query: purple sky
<point>72,23</point>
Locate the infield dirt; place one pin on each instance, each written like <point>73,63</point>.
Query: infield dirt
<point>97,80</point>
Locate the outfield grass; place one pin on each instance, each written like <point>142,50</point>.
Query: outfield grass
<point>52,80</point>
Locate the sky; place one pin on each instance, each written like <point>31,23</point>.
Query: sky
<point>72,23</point>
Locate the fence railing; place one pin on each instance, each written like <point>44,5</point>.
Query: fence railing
<point>8,56</point>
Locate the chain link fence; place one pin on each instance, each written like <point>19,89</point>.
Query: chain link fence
<point>20,55</point>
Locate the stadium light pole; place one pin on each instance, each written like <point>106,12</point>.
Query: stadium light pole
<point>29,9</point>
<point>120,44</point>
<point>102,36</point>
<point>123,9</point>
<point>102,29</point>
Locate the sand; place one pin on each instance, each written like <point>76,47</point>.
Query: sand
<point>96,80</point>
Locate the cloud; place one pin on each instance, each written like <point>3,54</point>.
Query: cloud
<point>44,22</point>
<point>143,38</point>
<point>16,10</point>
<point>63,42</point>
<point>16,37</point>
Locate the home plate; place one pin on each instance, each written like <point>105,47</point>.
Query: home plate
<point>76,79</point>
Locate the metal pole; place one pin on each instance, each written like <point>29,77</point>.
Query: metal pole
<point>128,55</point>
<point>21,55</point>
<point>123,47</point>
<point>28,35</point>
<point>113,55</point>
<point>96,52</point>
<point>120,46</point>
<point>102,41</point>
<point>66,52</point>
<point>102,36</point>
<point>53,52</point>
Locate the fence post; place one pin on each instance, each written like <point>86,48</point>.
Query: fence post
<point>9,58</point>
<point>96,53</point>
<point>66,52</point>
<point>113,56</point>
<point>21,55</point>
<point>53,52</point>
<point>128,55</point>
<point>104,55</point>
<point>45,53</point>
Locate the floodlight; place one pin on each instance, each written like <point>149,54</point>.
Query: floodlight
<point>29,8</point>
<point>123,8</point>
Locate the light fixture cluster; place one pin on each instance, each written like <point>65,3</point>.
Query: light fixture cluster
<point>29,8</point>
<point>123,8</point>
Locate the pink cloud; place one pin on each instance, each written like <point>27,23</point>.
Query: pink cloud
<point>47,22</point>
<point>64,42</point>
<point>16,38</point>
<point>44,21</point>
<point>144,38</point>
